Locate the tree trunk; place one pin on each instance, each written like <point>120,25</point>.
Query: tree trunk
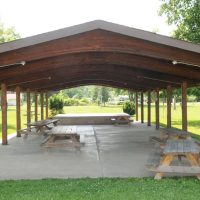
<point>131,96</point>
<point>174,105</point>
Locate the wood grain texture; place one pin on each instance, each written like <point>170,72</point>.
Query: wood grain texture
<point>4,113</point>
<point>97,54</point>
<point>18,112</point>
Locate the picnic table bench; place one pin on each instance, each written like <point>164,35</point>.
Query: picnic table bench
<point>170,133</point>
<point>179,148</point>
<point>121,119</point>
<point>175,133</point>
<point>40,125</point>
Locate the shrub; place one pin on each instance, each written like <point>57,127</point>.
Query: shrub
<point>129,108</point>
<point>76,102</point>
<point>120,103</point>
<point>84,102</point>
<point>71,102</point>
<point>56,104</point>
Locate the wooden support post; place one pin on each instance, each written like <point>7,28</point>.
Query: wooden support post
<point>169,101</point>
<point>157,110</point>
<point>47,106</point>
<point>36,106</point>
<point>4,113</point>
<point>142,107</point>
<point>18,111</point>
<point>184,106</point>
<point>136,106</point>
<point>28,106</point>
<point>149,109</point>
<point>42,105</point>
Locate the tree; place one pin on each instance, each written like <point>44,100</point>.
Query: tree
<point>131,95</point>
<point>195,91</point>
<point>95,94</point>
<point>7,34</point>
<point>104,95</point>
<point>185,15</point>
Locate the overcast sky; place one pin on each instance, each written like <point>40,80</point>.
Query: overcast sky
<point>31,17</point>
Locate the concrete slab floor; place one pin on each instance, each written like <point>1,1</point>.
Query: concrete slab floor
<point>112,151</point>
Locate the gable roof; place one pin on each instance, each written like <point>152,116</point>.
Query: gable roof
<point>99,24</point>
<point>102,53</point>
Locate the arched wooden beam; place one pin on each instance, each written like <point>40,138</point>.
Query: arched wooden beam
<point>98,40</point>
<point>83,82</point>
<point>102,58</point>
<point>124,75</point>
<point>68,70</point>
<point>125,78</point>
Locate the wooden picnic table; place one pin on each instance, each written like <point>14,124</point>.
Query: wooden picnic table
<point>40,125</point>
<point>179,148</point>
<point>66,135</point>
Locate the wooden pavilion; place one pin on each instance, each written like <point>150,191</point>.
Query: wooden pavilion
<point>101,53</point>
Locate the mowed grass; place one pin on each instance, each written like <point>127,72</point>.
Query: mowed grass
<point>193,115</point>
<point>11,117</point>
<point>92,109</point>
<point>101,189</point>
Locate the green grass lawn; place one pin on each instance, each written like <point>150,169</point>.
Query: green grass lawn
<point>92,109</point>
<point>12,118</point>
<point>193,115</point>
<point>102,189</point>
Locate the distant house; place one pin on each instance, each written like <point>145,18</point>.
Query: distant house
<point>11,98</point>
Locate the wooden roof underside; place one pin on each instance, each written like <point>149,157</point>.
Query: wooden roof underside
<point>99,56</point>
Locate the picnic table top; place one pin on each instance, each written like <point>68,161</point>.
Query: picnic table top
<point>43,122</point>
<point>93,115</point>
<point>63,130</point>
<point>181,146</point>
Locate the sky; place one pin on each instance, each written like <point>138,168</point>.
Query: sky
<point>32,17</point>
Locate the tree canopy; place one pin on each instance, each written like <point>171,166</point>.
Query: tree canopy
<point>185,15</point>
<point>7,34</point>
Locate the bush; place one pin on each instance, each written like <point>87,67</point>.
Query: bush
<point>120,103</point>
<point>56,104</point>
<point>71,102</point>
<point>76,102</point>
<point>129,108</point>
<point>84,102</point>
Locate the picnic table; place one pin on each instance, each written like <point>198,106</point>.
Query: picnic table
<point>60,136</point>
<point>40,125</point>
<point>179,148</point>
<point>126,119</point>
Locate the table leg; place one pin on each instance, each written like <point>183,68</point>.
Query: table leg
<point>49,128</point>
<point>193,159</point>
<point>166,160</point>
<point>55,123</point>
